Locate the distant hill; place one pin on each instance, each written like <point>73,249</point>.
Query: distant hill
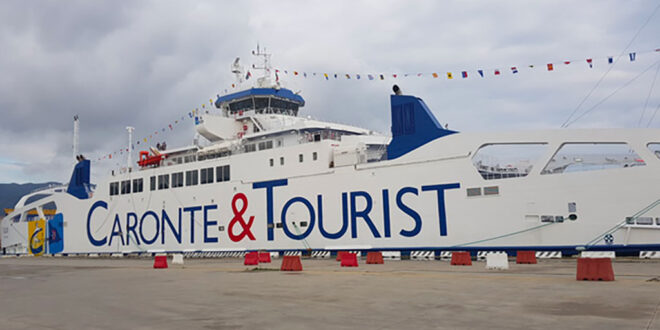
<point>10,193</point>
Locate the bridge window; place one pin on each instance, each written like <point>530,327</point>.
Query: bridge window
<point>163,181</point>
<point>580,157</point>
<point>507,160</point>
<point>177,180</point>
<point>206,175</point>
<point>137,185</point>
<point>191,178</point>
<point>114,188</point>
<point>243,105</point>
<point>260,103</point>
<point>250,147</point>
<point>126,187</point>
<point>222,173</point>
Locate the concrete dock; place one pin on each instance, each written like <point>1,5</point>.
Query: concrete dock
<point>120,293</point>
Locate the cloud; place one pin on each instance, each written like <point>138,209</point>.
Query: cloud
<point>147,63</point>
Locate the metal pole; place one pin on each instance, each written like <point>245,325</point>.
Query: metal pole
<point>129,161</point>
<point>76,128</point>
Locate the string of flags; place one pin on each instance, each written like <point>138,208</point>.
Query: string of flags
<point>193,114</point>
<point>481,73</point>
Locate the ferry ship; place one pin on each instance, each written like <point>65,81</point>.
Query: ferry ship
<point>266,178</point>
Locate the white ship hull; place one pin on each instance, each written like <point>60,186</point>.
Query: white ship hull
<point>390,204</point>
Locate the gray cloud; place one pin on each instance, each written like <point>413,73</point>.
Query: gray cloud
<point>147,63</point>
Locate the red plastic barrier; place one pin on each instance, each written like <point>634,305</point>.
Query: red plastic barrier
<point>595,269</point>
<point>291,264</point>
<point>461,258</point>
<point>526,257</point>
<point>160,262</point>
<point>339,254</point>
<point>251,259</point>
<point>349,260</point>
<point>375,257</point>
<point>264,257</point>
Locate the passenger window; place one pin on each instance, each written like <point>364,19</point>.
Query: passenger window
<point>315,156</point>
<point>163,181</point>
<point>126,187</point>
<point>221,173</point>
<point>206,175</point>
<point>580,157</point>
<point>281,160</point>
<point>114,188</point>
<point>152,183</point>
<point>300,158</point>
<point>272,162</point>
<point>191,178</point>
<point>655,148</point>
<point>177,180</point>
<point>507,160</point>
<point>137,185</point>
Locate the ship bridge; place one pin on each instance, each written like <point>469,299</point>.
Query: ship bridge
<point>261,100</point>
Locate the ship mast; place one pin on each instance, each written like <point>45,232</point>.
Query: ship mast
<point>128,147</point>
<point>76,128</point>
<point>265,80</point>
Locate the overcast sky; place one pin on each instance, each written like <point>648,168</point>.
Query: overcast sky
<point>147,63</point>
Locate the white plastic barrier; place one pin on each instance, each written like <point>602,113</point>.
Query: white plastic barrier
<point>177,259</point>
<point>598,254</point>
<point>497,260</point>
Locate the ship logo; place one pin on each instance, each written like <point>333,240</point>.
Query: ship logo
<point>36,242</point>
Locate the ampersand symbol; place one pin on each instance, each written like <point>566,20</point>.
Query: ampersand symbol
<point>238,217</point>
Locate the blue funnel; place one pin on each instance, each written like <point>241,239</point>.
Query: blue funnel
<point>413,125</point>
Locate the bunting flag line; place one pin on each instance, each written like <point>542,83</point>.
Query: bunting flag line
<point>632,56</point>
<point>482,73</point>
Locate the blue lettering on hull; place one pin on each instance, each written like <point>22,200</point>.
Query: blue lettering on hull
<point>356,208</point>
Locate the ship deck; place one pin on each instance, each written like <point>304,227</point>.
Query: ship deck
<point>112,293</point>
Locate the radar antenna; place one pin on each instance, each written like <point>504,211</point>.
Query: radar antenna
<point>237,70</point>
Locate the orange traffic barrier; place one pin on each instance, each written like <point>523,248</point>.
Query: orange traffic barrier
<point>461,258</point>
<point>375,257</point>
<point>160,262</point>
<point>339,254</point>
<point>291,263</point>
<point>595,269</point>
<point>526,257</point>
<point>264,257</point>
<point>251,258</point>
<point>349,260</point>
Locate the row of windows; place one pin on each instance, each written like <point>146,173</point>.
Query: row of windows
<point>161,182</point>
<point>301,158</point>
<point>512,160</point>
<point>126,187</point>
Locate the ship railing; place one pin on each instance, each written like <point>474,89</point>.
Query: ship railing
<point>48,187</point>
<point>629,223</point>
